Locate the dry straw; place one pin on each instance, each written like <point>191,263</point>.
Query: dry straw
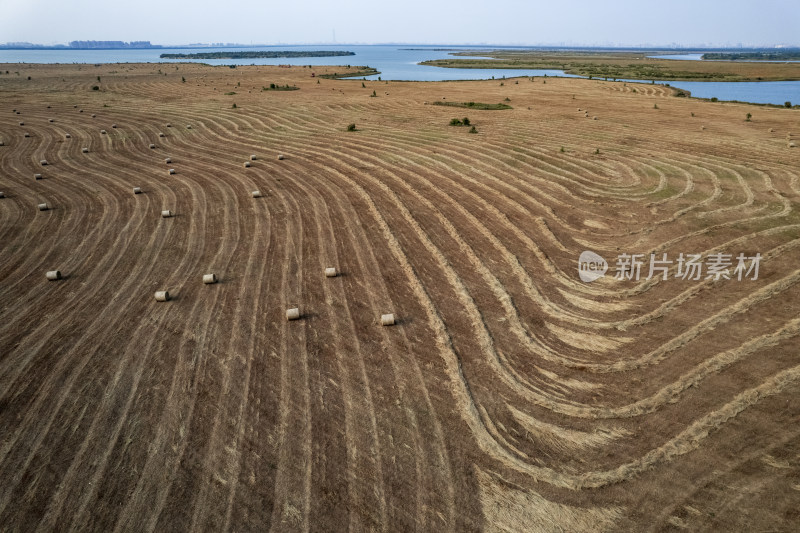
<point>137,190</point>
<point>281,157</point>
<point>256,194</point>
<point>387,320</point>
<point>53,275</point>
<point>330,272</point>
<point>43,207</point>
<point>37,176</point>
<point>152,146</point>
<point>247,164</point>
<point>162,296</point>
<point>209,278</point>
<point>252,158</point>
<point>166,213</point>
<point>168,160</point>
<point>161,135</point>
<point>85,150</point>
<point>43,162</point>
<point>293,313</point>
<point>172,171</point>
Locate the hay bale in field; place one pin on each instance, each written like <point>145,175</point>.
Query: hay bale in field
<point>330,272</point>
<point>102,132</point>
<point>256,194</point>
<point>43,162</point>
<point>2,194</point>
<point>293,313</point>
<point>21,123</point>
<point>80,111</point>
<point>702,127</point>
<point>162,296</point>
<point>172,171</point>
<point>281,157</point>
<point>166,213</point>
<point>114,126</point>
<point>792,145</point>
<point>94,116</point>
<point>247,164</point>
<point>188,127</point>
<point>2,143</point>
<point>53,275</point>
<point>161,134</point>
<point>37,176</point>
<point>137,190</point>
<point>68,136</point>
<point>594,118</point>
<point>43,207</point>
<point>152,146</point>
<point>75,106</point>
<point>209,278</point>
<point>387,320</point>
<point>169,125</point>
<point>252,158</point>
<point>50,120</point>
<point>85,150</point>
<point>772,130</point>
<point>27,135</point>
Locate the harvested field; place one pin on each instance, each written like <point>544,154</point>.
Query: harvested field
<point>507,396</point>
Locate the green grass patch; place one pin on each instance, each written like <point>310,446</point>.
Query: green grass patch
<point>474,105</point>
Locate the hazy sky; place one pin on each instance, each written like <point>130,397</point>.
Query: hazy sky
<point>578,22</point>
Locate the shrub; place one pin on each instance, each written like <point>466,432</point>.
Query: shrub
<point>363,86</point>
<point>473,130</point>
<point>183,80</point>
<point>507,99</point>
<point>749,116</point>
<point>655,106</point>
<point>351,127</point>
<point>234,105</point>
<point>787,104</point>
<point>465,120</point>
<point>714,99</point>
<point>373,95</point>
<point>562,150</point>
<point>455,122</point>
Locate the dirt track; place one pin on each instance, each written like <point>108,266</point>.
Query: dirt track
<point>509,396</point>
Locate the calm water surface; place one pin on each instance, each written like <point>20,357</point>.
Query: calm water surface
<point>399,63</point>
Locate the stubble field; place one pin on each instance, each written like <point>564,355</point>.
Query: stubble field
<point>509,396</point>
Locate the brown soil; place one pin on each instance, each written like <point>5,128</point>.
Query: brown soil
<point>510,396</point>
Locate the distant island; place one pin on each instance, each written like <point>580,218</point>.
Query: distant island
<point>782,55</point>
<point>258,54</point>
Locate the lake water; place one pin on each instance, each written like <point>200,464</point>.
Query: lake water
<point>398,63</point>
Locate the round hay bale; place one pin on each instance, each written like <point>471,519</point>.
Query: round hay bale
<point>37,176</point>
<point>387,320</point>
<point>792,145</point>
<point>137,190</point>
<point>80,111</point>
<point>75,106</point>
<point>594,118</point>
<point>209,278</point>
<point>702,127</point>
<point>293,313</point>
<point>772,130</point>
<point>172,171</point>
<point>94,116</point>
<point>189,127</point>
<point>2,143</point>
<point>53,275</point>
<point>161,135</point>
<point>50,120</point>
<point>166,213</point>
<point>21,123</point>
<point>2,194</point>
<point>256,194</point>
<point>152,146</point>
<point>85,150</point>
<point>252,158</point>
<point>162,296</point>
<point>247,164</point>
<point>169,125</point>
<point>43,162</point>
<point>330,272</point>
<point>102,132</point>
<point>43,207</point>
<point>168,160</point>
<point>68,136</point>
<point>114,126</point>
<point>281,157</point>
<point>27,135</point>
